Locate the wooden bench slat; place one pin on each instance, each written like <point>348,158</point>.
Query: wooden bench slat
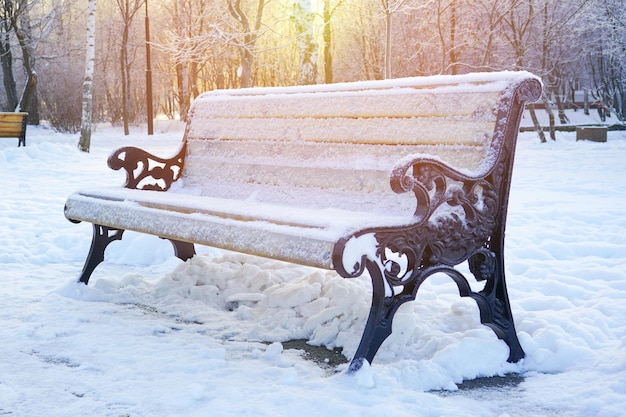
<point>408,102</point>
<point>281,176</point>
<point>11,125</point>
<point>376,131</point>
<point>10,130</point>
<point>12,117</point>
<point>326,155</point>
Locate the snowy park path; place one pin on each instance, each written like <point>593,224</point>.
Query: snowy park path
<point>157,337</point>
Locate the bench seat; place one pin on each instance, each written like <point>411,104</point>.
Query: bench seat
<point>300,235</point>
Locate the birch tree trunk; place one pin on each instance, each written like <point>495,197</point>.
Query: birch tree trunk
<point>125,78</point>
<point>388,8</point>
<point>85,125</point>
<point>303,18</point>
<point>328,57</point>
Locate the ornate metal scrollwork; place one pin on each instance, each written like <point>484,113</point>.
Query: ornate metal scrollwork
<point>528,91</point>
<point>455,216</point>
<point>456,213</point>
<point>145,171</point>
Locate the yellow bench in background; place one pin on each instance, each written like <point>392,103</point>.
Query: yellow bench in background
<point>13,125</point>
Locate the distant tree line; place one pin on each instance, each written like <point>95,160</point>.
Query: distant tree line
<point>200,45</point>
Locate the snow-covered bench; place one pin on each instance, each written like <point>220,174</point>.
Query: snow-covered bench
<point>13,125</point>
<point>403,178</point>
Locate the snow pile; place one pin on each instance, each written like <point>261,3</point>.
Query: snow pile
<point>153,336</point>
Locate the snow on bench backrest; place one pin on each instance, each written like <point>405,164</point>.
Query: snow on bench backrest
<point>335,145</point>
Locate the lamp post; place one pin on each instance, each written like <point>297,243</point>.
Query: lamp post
<point>148,76</point>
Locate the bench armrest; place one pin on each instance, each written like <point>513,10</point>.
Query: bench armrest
<point>145,171</point>
<point>434,183</point>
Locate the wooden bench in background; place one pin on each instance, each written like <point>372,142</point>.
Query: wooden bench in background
<point>13,125</point>
<point>403,178</point>
<point>592,133</point>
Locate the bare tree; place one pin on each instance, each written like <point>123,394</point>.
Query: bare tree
<point>607,56</point>
<point>492,12</point>
<point>447,33</point>
<point>328,13</point>
<point>17,15</point>
<point>358,41</point>
<point>6,55</point>
<point>389,8</point>
<point>304,21</point>
<point>198,47</point>
<point>128,10</point>
<point>249,35</point>
<point>518,29</point>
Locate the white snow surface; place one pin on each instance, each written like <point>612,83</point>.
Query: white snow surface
<point>153,336</point>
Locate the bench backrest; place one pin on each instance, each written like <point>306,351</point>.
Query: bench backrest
<point>12,125</point>
<point>335,145</point>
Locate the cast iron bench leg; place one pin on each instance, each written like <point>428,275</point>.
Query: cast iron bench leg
<point>493,300</point>
<point>102,237</point>
<point>22,139</point>
<point>379,322</point>
<point>378,326</point>
<point>493,303</point>
<point>183,250</point>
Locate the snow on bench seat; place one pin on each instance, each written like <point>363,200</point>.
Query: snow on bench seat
<point>300,235</point>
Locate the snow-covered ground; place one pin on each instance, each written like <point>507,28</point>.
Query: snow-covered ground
<point>152,336</point>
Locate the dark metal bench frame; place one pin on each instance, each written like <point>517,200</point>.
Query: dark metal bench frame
<point>427,247</point>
